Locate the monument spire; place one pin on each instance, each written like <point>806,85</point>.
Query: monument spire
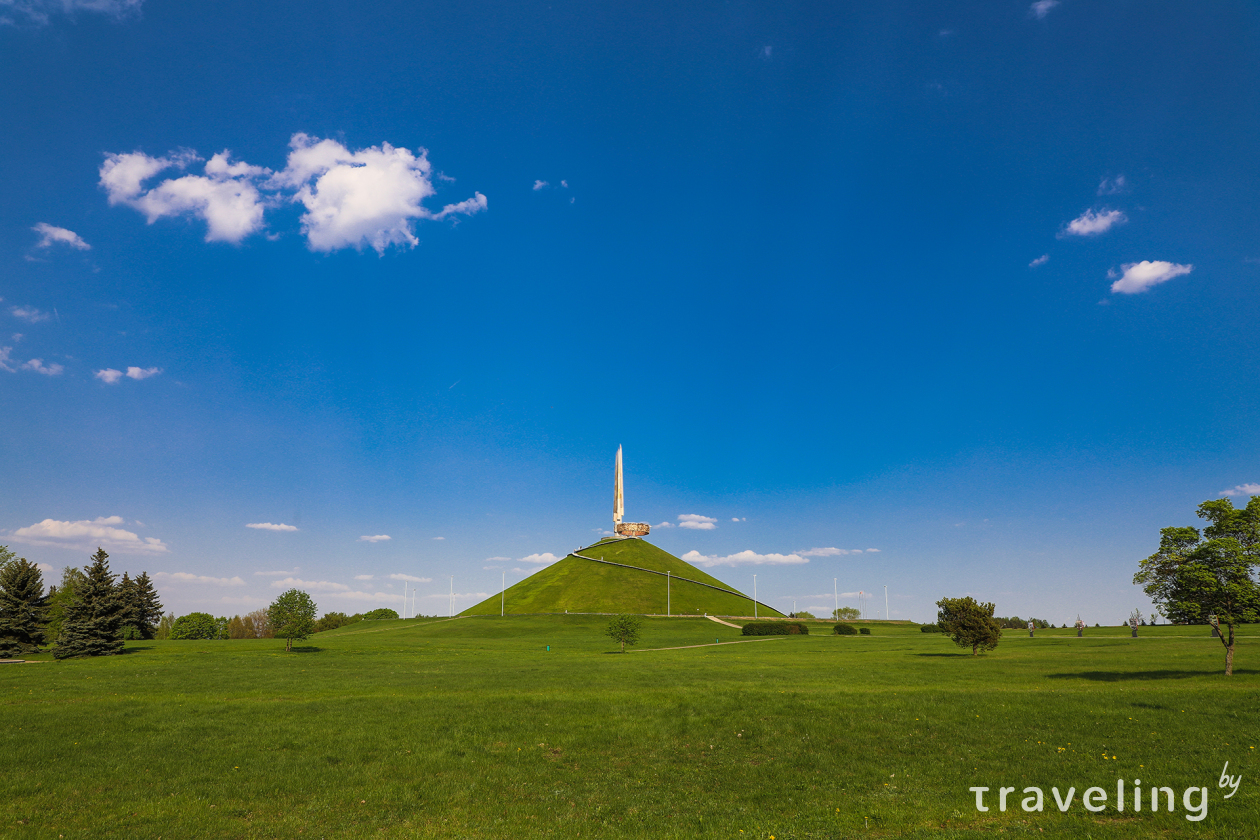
<point>619,493</point>
<point>624,529</point>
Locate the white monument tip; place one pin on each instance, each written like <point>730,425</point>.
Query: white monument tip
<point>624,529</point>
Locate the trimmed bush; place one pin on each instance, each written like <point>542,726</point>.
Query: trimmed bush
<point>929,628</point>
<point>865,631</point>
<point>776,628</point>
<point>843,629</point>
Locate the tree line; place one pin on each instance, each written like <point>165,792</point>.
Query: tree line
<point>91,613</point>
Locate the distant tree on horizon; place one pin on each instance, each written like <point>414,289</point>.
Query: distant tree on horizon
<point>1196,576</point>
<point>292,616</point>
<point>93,617</point>
<point>969,623</point>
<point>23,608</point>
<point>846,613</point>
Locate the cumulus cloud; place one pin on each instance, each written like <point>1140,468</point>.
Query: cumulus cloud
<point>833,552</point>
<point>364,577</point>
<point>309,585</point>
<point>29,314</point>
<point>696,522</point>
<point>1090,223</point>
<point>744,558</point>
<point>664,525</point>
<point>411,578</point>
<point>37,365</point>
<point>1041,8</point>
<point>109,376</point>
<point>1042,260</point>
<point>38,12</point>
<point>1243,490</point>
<point>1134,278</point>
<point>185,577</point>
<point>268,526</point>
<point>142,373</point>
<point>88,534</point>
<point>367,197</point>
<point>375,538</point>
<point>540,559</point>
<point>225,197</point>
<point>538,185</point>
<point>50,235</point>
<point>1113,186</point>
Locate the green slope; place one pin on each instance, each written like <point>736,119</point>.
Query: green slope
<point>583,586</point>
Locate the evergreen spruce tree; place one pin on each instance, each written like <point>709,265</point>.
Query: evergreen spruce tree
<point>130,609</point>
<point>148,609</point>
<point>59,600</point>
<point>23,609</point>
<point>93,620</point>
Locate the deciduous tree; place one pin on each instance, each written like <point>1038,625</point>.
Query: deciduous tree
<point>849,613</point>
<point>968,623</point>
<point>1195,575</point>
<point>624,629</point>
<point>292,616</point>
<point>23,608</point>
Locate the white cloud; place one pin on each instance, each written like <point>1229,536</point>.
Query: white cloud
<point>540,559</point>
<point>411,578</point>
<point>88,534</point>
<point>374,539</point>
<point>744,558</point>
<point>564,184</point>
<point>665,525</point>
<point>6,363</point>
<point>1090,223</point>
<point>38,11</point>
<point>311,585</point>
<point>538,185</point>
<point>696,522</point>
<point>1243,490</point>
<point>832,552</point>
<point>142,373</point>
<point>1041,8</point>
<point>226,197</point>
<point>364,577</point>
<point>267,526</point>
<point>185,577</point>
<point>44,568</point>
<point>365,197</point>
<point>50,235</point>
<point>37,365</point>
<point>1042,260</point>
<point>439,538</point>
<point>497,559</point>
<point>1113,186</point>
<point>29,314</point>
<point>876,550</point>
<point>1135,278</point>
<point>109,376</point>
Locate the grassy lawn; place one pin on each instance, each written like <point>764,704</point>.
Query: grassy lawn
<point>471,728</point>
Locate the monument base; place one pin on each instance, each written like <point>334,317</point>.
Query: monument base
<point>632,529</point>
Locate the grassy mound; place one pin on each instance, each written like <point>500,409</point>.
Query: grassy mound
<point>583,586</point>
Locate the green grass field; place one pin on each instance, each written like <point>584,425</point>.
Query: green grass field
<point>470,728</point>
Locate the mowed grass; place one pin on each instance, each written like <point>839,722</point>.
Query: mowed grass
<point>470,728</point>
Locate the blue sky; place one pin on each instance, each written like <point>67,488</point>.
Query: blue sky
<point>971,284</point>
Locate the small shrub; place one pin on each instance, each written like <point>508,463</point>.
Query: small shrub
<point>865,631</point>
<point>843,629</point>
<point>776,628</point>
<point>929,628</point>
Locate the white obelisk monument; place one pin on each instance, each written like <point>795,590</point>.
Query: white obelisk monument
<point>624,529</point>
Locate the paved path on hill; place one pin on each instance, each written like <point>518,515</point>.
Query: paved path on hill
<point>720,621</point>
<point>716,644</point>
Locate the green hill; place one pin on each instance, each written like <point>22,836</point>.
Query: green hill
<point>580,585</point>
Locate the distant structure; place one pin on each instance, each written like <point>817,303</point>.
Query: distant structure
<point>624,529</point>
